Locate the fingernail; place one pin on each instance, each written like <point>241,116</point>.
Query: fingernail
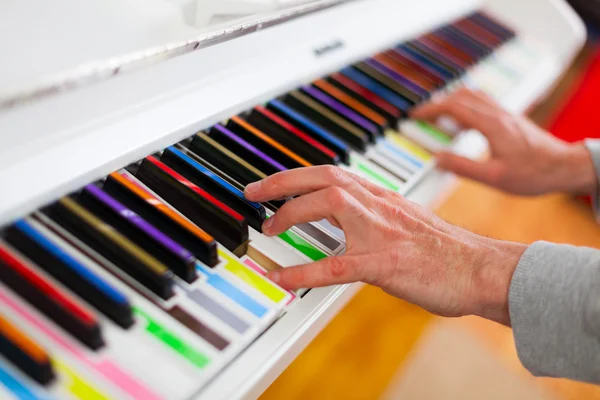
<point>274,276</point>
<point>267,224</point>
<point>252,187</point>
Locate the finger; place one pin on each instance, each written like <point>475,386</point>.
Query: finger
<point>466,108</point>
<point>370,186</point>
<point>332,203</point>
<point>482,172</point>
<point>300,181</point>
<point>329,271</point>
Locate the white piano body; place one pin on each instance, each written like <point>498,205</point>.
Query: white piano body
<point>139,78</point>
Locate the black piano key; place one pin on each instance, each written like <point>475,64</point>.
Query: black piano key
<point>366,97</point>
<point>245,150</point>
<point>388,82</point>
<point>313,129</point>
<point>112,245</point>
<point>266,144</point>
<point>18,274</point>
<point>222,158</point>
<point>226,225</point>
<point>292,137</point>
<point>132,194</point>
<point>162,247</point>
<point>49,255</point>
<point>184,164</point>
<point>24,353</point>
<point>311,109</point>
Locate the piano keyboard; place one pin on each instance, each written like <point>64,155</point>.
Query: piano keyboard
<point>146,284</point>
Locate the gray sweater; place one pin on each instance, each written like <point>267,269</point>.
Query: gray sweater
<point>554,305</point>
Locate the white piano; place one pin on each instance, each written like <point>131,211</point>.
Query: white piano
<point>95,302</point>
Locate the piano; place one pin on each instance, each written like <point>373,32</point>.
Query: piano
<point>131,266</point>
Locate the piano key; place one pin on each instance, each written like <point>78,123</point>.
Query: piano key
<point>34,241</point>
<point>389,164</point>
<point>12,387</point>
<point>342,110</point>
<point>380,90</point>
<point>476,30</point>
<point>199,327</point>
<point>366,112</point>
<point>227,226</point>
<point>420,67</point>
<point>441,54</point>
<point>314,130</point>
<point>422,59</point>
<point>427,135</point>
<point>292,137</point>
<point>198,174</point>
<point>416,91</point>
<point>111,244</point>
<point>224,159</point>
<point>245,150</point>
<point>139,231</point>
<point>406,71</point>
<point>444,53</point>
<point>410,146</point>
<point>18,274</point>
<point>254,280</point>
<point>129,191</point>
<point>391,84</point>
<point>364,168</point>
<point>234,292</point>
<point>493,24</point>
<point>433,56</point>
<point>366,97</point>
<point>452,32</point>
<point>329,120</point>
<point>473,54</point>
<point>24,353</point>
<point>217,308</point>
<point>265,143</point>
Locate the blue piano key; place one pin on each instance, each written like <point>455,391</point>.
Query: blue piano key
<point>229,290</point>
<point>377,88</point>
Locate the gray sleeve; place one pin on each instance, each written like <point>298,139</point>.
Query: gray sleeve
<point>554,305</point>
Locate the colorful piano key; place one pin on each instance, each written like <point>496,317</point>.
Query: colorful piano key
<point>22,351</point>
<point>145,235</point>
<point>21,276</point>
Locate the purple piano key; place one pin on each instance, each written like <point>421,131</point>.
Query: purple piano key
<point>165,241</point>
<point>342,109</point>
<point>248,146</point>
<point>398,78</point>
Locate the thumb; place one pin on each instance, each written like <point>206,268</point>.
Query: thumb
<point>465,167</point>
<point>329,271</point>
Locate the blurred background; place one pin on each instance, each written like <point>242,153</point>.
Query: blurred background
<point>381,347</point>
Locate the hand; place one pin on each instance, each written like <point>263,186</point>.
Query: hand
<point>391,243</point>
<point>524,159</point>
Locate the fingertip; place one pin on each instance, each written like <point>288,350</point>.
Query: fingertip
<point>274,276</point>
<point>251,190</point>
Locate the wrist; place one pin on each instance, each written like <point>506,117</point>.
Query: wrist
<point>492,277</point>
<point>576,172</point>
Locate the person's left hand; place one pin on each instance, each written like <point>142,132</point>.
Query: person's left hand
<point>391,243</point>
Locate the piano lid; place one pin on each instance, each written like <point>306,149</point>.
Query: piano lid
<point>49,47</point>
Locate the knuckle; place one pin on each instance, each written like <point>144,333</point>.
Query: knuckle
<point>337,267</point>
<point>336,197</point>
<point>274,183</point>
<point>334,175</point>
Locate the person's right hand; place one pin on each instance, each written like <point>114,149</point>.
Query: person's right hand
<point>524,159</point>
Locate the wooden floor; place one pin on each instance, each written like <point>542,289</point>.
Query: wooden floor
<point>360,353</point>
